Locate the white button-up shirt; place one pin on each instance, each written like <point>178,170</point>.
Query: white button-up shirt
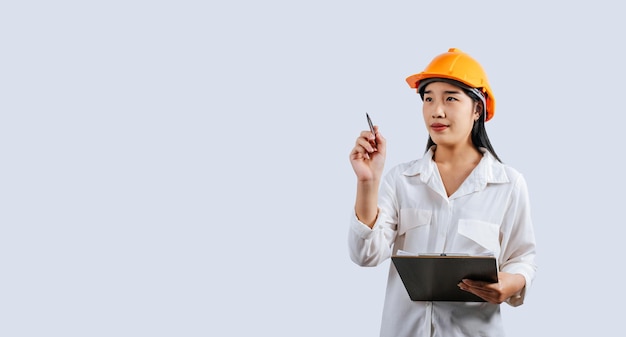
<point>488,214</point>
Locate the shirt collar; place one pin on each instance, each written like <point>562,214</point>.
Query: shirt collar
<point>488,171</point>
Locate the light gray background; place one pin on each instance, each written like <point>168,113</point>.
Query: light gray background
<point>180,168</point>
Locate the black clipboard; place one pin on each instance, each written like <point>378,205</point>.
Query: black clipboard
<point>435,277</point>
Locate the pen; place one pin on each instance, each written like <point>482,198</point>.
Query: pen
<point>369,121</point>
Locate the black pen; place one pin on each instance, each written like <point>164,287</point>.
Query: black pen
<point>369,121</point>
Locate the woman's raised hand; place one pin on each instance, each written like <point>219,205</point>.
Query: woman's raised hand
<point>368,155</point>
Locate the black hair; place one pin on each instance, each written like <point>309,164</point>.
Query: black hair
<point>479,133</point>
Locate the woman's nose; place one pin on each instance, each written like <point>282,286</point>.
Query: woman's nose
<point>437,111</point>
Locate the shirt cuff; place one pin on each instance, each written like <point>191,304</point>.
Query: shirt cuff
<point>361,229</point>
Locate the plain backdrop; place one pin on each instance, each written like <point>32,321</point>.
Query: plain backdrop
<point>180,168</point>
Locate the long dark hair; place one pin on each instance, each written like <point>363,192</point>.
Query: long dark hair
<point>479,133</point>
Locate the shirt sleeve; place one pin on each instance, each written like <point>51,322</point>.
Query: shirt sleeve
<point>518,251</point>
<point>371,246</point>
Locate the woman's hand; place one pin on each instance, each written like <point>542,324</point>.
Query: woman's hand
<point>368,156</point>
<point>496,293</point>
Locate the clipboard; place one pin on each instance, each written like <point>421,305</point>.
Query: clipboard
<point>435,277</point>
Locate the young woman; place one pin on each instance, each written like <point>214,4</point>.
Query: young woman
<point>458,198</point>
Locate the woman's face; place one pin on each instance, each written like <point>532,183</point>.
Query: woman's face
<point>449,114</point>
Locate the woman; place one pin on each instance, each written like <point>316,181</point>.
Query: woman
<point>458,198</point>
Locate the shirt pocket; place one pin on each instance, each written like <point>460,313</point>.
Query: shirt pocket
<point>412,219</point>
<point>486,234</point>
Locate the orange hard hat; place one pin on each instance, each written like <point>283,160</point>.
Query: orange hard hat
<point>459,66</point>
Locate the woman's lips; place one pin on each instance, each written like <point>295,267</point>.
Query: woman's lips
<point>438,127</point>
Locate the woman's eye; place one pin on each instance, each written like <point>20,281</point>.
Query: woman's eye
<point>428,99</point>
<point>450,99</point>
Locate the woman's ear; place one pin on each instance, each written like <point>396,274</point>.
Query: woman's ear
<point>478,110</point>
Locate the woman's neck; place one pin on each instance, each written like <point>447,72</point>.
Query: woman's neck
<point>457,155</point>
